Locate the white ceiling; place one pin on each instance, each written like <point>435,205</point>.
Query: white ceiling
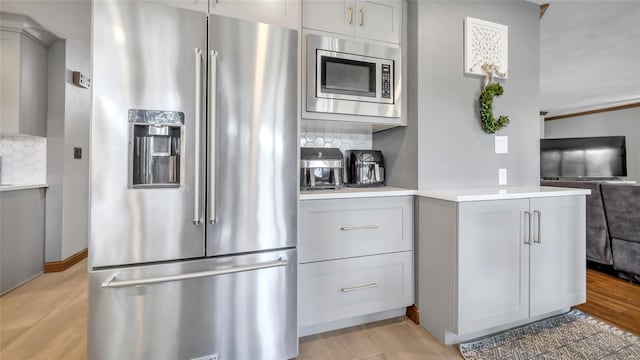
<point>67,19</point>
<point>589,55</point>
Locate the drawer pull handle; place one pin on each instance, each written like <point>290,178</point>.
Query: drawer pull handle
<point>347,228</point>
<point>368,286</point>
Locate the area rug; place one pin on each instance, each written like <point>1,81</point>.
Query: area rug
<point>574,335</point>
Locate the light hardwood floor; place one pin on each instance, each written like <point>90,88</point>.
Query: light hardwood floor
<point>47,319</point>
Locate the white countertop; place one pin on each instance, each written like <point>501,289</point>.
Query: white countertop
<point>500,193</point>
<point>22,187</point>
<point>350,193</point>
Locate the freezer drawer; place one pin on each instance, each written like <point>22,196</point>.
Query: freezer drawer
<point>240,307</point>
<point>339,289</point>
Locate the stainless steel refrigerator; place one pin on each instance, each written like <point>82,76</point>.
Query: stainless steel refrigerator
<point>192,250</point>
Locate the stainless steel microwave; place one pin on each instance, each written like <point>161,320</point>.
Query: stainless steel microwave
<point>353,78</point>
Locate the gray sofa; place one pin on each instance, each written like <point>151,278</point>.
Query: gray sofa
<point>613,224</point>
<point>598,243</point>
<point>622,205</point>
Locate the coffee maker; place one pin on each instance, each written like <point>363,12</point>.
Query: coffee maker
<point>321,168</point>
<point>365,168</point>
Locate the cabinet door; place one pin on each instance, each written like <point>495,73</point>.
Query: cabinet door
<point>197,5</point>
<point>284,13</point>
<point>9,82</point>
<point>493,264</point>
<point>33,92</point>
<point>336,16</point>
<point>558,257</point>
<point>379,20</point>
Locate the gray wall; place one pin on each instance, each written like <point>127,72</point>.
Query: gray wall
<point>622,122</point>
<point>444,145</point>
<point>69,109</point>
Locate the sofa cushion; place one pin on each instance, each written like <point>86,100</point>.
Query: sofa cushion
<point>622,205</point>
<point>598,244</point>
<point>626,256</point>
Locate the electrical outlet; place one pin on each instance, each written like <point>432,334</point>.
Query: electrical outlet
<point>502,145</point>
<point>502,176</point>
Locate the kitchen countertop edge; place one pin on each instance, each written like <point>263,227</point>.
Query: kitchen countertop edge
<point>505,193</point>
<point>4,188</point>
<point>354,193</point>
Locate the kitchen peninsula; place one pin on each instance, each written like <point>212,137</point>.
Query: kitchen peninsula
<point>494,258</point>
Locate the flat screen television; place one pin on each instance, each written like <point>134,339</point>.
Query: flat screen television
<point>588,157</point>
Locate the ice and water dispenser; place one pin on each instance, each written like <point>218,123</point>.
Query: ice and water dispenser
<point>155,148</point>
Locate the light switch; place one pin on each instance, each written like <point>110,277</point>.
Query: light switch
<point>502,144</point>
<point>502,176</point>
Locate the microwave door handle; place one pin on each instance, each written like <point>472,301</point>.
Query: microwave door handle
<point>197,145</point>
<point>213,96</point>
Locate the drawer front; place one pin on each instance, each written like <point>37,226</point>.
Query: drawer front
<point>340,289</point>
<point>335,229</point>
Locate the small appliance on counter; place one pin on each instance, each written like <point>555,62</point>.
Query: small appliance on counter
<point>320,168</point>
<point>365,168</point>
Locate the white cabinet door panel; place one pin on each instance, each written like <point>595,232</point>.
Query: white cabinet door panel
<point>197,5</point>
<point>558,257</point>
<point>284,13</point>
<point>336,16</point>
<point>493,268</point>
<point>379,20</point>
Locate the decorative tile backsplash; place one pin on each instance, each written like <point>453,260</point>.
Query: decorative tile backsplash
<point>24,159</point>
<point>340,140</point>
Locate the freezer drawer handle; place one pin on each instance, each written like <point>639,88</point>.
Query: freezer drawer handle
<point>347,228</point>
<point>368,286</point>
<point>111,282</point>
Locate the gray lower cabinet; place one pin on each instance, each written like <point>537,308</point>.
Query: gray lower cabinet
<point>487,265</point>
<point>356,259</point>
<point>21,236</point>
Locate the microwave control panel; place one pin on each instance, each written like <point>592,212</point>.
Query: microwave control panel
<point>386,81</point>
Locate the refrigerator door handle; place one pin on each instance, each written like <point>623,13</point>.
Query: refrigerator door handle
<point>198,146</point>
<point>213,95</point>
<point>113,283</point>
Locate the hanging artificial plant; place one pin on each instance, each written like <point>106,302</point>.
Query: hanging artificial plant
<point>489,123</point>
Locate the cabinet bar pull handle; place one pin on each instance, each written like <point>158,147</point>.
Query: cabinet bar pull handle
<point>348,228</point>
<point>361,16</point>
<point>197,145</point>
<point>528,238</point>
<point>350,14</point>
<point>362,287</point>
<point>539,241</point>
<point>213,97</point>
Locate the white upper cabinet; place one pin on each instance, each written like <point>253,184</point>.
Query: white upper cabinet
<point>23,105</point>
<point>379,20</point>
<point>285,13</point>
<point>197,5</point>
<point>337,16</point>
